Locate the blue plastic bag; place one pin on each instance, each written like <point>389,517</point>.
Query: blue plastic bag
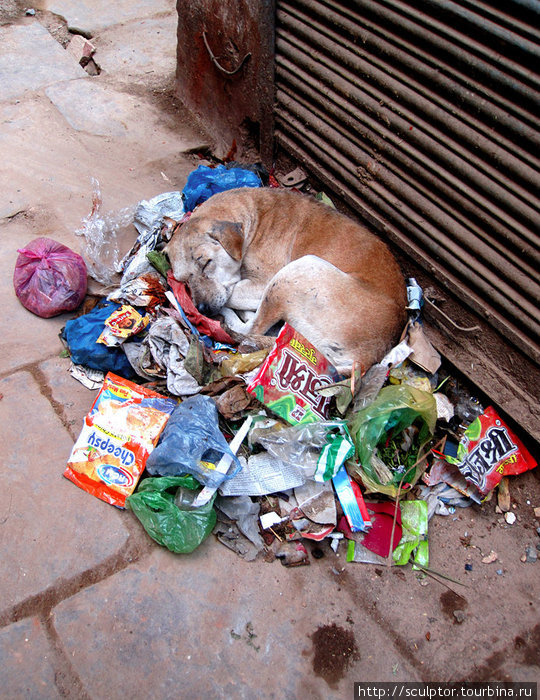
<point>204,182</point>
<point>81,335</point>
<point>192,443</point>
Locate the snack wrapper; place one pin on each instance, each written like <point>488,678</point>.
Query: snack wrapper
<point>121,324</point>
<point>352,501</point>
<point>289,378</point>
<point>121,429</point>
<point>489,450</point>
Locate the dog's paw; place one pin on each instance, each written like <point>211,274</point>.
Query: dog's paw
<point>233,322</point>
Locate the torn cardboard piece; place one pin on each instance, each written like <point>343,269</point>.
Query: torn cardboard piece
<point>423,353</point>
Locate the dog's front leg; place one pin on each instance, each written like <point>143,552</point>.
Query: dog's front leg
<point>241,332</point>
<point>233,321</point>
<point>246,296</point>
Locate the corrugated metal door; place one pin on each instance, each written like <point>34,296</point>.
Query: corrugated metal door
<point>423,115</point>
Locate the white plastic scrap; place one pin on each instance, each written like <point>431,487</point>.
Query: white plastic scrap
<point>100,232</point>
<point>225,462</point>
<point>445,408</point>
<point>262,474</point>
<point>88,377</point>
<point>270,519</point>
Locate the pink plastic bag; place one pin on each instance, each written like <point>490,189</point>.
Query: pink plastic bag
<point>49,278</point>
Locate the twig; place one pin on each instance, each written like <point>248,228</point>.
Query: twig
<point>433,574</point>
<point>275,534</point>
<point>441,384</point>
<point>389,558</point>
<point>460,328</point>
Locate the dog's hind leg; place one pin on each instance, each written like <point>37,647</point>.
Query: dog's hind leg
<point>346,320</point>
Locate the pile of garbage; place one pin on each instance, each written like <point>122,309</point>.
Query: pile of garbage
<point>196,433</point>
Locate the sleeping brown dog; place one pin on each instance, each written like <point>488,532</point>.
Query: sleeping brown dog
<point>284,256</point>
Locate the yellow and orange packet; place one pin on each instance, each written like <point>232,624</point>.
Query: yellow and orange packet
<point>119,432</point>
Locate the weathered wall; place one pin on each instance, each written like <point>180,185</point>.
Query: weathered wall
<point>225,70</point>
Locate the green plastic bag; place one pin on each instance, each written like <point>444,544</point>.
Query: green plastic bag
<point>414,524</point>
<point>179,530</point>
<point>394,409</point>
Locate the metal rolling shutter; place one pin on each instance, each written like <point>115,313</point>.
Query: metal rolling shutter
<point>423,116</point>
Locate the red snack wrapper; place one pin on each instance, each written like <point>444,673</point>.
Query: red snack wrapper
<point>118,434</point>
<point>205,325</point>
<point>489,450</point>
<point>289,377</point>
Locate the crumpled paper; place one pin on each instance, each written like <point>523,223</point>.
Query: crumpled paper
<point>162,353</point>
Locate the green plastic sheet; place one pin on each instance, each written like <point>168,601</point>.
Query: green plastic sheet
<point>414,538</point>
<point>396,407</point>
<point>181,531</point>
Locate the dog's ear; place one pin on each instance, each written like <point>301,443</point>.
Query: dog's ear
<point>229,235</point>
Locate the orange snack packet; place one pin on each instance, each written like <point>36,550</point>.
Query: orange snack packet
<point>121,429</point>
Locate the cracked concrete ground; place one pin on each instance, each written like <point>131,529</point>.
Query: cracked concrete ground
<point>90,607</point>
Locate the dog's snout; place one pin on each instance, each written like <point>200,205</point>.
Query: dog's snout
<point>204,309</point>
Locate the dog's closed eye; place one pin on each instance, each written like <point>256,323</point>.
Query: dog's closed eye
<point>205,264</point>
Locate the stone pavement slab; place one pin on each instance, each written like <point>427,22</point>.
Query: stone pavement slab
<point>70,396</point>
<point>54,166</point>
<point>45,61</point>
<point>51,530</point>
<point>93,108</point>
<point>98,109</point>
<point>211,625</point>
<point>92,16</point>
<point>143,49</point>
<point>27,669</point>
<point>42,160</point>
<point>418,610</point>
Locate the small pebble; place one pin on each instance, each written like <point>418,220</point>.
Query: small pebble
<point>510,518</point>
<point>468,567</point>
<point>538,531</point>
<point>490,558</point>
<point>499,572</point>
<point>530,554</point>
<point>30,12</point>
<point>459,616</point>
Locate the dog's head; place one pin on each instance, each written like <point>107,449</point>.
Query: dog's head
<point>206,254</point>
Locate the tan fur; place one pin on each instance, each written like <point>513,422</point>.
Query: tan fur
<point>289,258</point>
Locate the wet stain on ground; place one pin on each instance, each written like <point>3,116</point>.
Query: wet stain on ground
<point>528,646</point>
<point>334,648</point>
<point>450,602</point>
<point>526,651</point>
